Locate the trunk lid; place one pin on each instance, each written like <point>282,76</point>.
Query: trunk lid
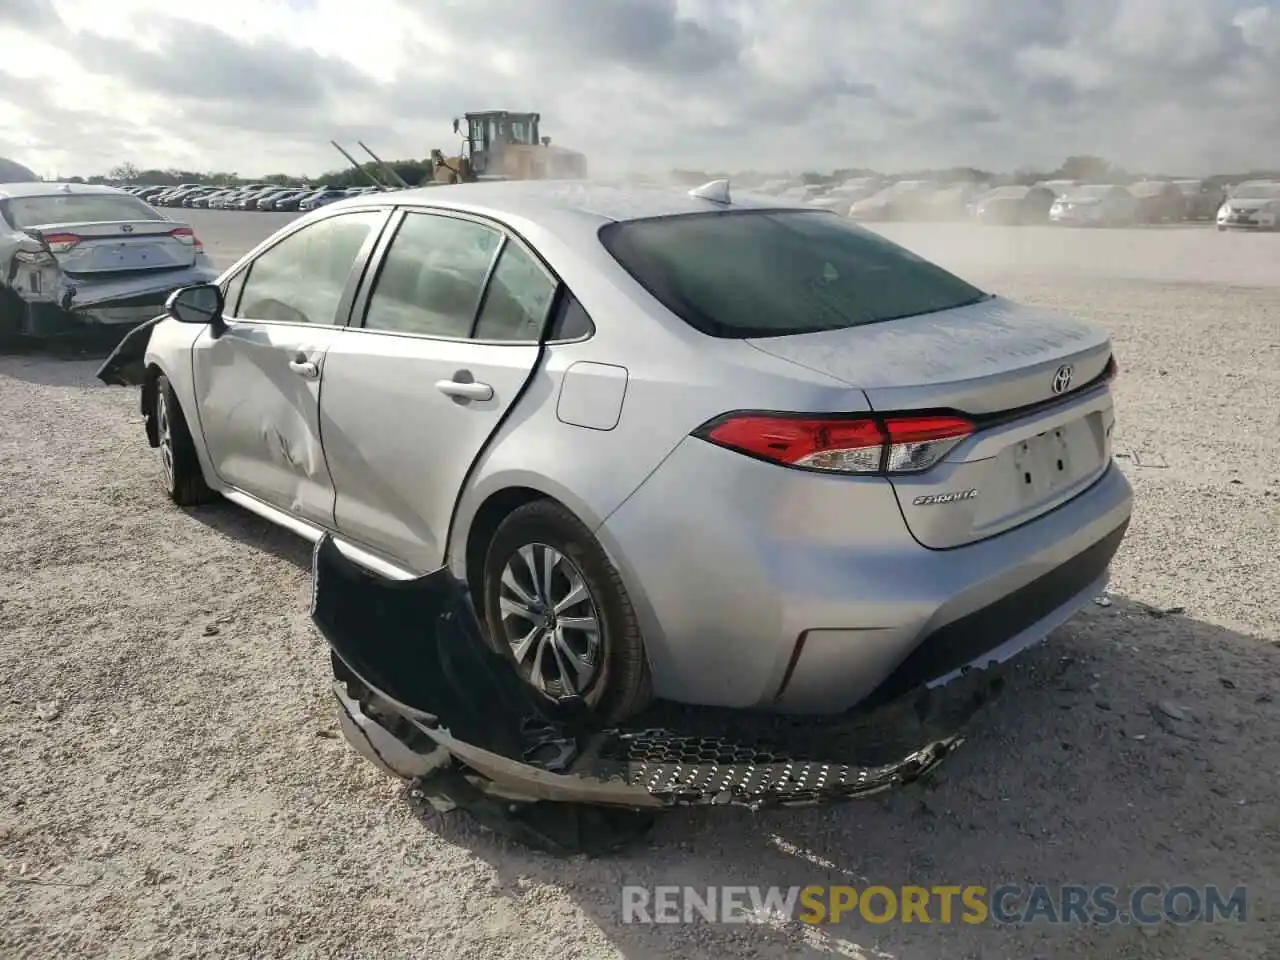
<point>1022,374</point>
<point>83,249</point>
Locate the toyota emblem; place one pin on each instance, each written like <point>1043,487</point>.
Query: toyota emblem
<point>1062,379</point>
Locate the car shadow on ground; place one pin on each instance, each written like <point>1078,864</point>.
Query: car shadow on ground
<point>28,360</point>
<point>252,530</point>
<point>1128,749</point>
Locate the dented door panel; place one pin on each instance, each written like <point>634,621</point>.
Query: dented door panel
<point>259,411</point>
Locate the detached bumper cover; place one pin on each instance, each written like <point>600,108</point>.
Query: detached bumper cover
<point>126,365</point>
<point>425,697</point>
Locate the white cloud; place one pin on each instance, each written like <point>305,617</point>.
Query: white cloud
<point>257,86</point>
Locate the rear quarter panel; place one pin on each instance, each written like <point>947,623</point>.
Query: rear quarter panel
<point>677,379</point>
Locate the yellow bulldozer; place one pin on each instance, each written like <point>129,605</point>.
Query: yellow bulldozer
<point>502,145</point>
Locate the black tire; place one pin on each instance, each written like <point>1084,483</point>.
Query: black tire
<point>180,465</point>
<point>621,685</point>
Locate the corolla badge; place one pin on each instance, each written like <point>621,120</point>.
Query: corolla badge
<point>1062,378</point>
<point>953,497</point>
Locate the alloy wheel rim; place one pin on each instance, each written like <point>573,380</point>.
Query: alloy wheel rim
<point>550,621</point>
<point>165,431</point>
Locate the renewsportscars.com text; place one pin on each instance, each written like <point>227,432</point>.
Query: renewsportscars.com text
<point>968,904</point>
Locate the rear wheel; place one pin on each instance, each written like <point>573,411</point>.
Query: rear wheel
<point>558,607</point>
<point>179,463</point>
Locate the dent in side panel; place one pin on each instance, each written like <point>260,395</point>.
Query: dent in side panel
<point>591,395</point>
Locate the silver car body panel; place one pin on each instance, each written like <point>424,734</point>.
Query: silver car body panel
<point>754,585</point>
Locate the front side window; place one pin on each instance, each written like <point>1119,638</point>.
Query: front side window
<point>517,299</point>
<point>302,278</point>
<point>764,273</point>
<point>432,277</point>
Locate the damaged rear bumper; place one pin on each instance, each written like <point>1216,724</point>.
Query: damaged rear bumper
<point>423,696</point>
<point>58,305</point>
<point>636,769</point>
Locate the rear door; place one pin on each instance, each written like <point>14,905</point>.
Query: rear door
<point>448,336</point>
<point>258,385</point>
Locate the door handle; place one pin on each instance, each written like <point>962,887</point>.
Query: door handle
<point>304,368</point>
<point>465,389</point>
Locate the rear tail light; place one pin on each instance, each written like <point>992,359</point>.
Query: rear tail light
<point>1113,369</point>
<point>861,444</point>
<point>61,242</point>
<point>188,236</point>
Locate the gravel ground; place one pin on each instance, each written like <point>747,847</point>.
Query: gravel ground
<point>172,783</point>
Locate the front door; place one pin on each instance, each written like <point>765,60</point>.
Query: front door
<point>412,397</point>
<point>258,385</point>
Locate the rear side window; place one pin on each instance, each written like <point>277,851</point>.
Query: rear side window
<point>779,273</point>
<point>571,321</point>
<point>518,297</point>
<point>24,212</point>
<point>432,277</point>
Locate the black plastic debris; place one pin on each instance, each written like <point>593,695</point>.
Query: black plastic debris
<point>424,695</point>
<point>126,364</point>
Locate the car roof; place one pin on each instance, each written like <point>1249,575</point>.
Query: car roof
<point>45,188</point>
<point>590,203</point>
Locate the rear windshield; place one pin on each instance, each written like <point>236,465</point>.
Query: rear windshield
<point>779,273</point>
<point>23,212</point>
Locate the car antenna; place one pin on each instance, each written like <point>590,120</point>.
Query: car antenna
<point>717,191</point>
<point>359,169</point>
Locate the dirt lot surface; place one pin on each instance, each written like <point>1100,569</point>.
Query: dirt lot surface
<point>172,783</point>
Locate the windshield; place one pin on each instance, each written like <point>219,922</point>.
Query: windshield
<point>23,212</point>
<point>1257,191</point>
<point>779,273</point>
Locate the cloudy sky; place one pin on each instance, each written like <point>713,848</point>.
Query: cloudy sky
<point>258,86</point>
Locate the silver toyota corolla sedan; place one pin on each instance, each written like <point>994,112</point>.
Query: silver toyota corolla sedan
<point>715,449</point>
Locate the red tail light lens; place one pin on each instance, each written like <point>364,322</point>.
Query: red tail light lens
<point>860,444</point>
<point>61,242</point>
<point>188,236</point>
<point>852,445</point>
<point>1113,368</point>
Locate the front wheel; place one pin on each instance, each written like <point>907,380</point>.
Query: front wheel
<point>179,462</point>
<point>557,605</point>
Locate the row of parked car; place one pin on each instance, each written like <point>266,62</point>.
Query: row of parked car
<point>1253,204</point>
<point>253,196</point>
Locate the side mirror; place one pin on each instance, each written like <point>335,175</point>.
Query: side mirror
<point>456,124</point>
<point>198,303</point>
